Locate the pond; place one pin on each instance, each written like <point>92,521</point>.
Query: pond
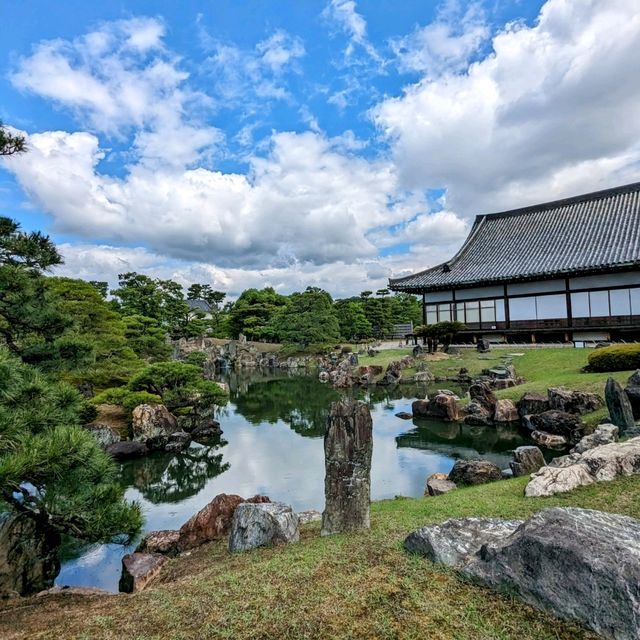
<point>273,444</point>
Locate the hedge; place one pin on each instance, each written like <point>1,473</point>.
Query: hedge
<point>618,357</point>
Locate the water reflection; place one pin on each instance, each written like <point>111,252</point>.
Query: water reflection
<point>173,477</point>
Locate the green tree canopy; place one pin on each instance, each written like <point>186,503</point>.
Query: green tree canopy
<point>253,312</point>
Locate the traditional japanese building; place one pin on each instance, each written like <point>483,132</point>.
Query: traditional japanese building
<point>563,270</point>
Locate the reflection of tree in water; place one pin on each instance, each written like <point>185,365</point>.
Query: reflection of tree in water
<point>172,477</point>
<point>302,402</point>
<point>448,437</point>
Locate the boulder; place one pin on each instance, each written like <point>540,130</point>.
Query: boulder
<point>420,408</point>
<point>549,440</point>
<point>393,374</point>
<point>437,486</point>
<point>603,434</point>
<point>532,404</point>
<point>483,346</point>
<point>103,434</point>
<point>151,423</point>
<point>634,379</point>
<point>139,570</point>
<point>212,522</point>
<point>127,449</point>
<point>206,431</point>
<point>467,472</point>
<point>348,446</point>
<point>633,393</point>
<point>481,393</point>
<point>404,415</point>
<point>323,376</point>
<point>551,480</point>
<point>526,460</point>
<point>559,423</point>
<point>423,376</point>
<point>164,542</point>
<point>577,402</point>
<point>28,556</point>
<point>455,543</point>
<point>257,525</point>
<point>178,441</point>
<point>477,415</point>
<point>577,564</point>
<point>619,406</point>
<point>308,516</point>
<point>444,406</point>
<point>505,411</point>
<point>602,463</point>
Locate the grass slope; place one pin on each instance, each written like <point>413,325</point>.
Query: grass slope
<point>347,586</point>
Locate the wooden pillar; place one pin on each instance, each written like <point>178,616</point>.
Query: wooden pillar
<point>569,308</point>
<point>507,313</point>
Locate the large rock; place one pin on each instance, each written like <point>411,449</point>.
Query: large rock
<point>526,460</point>
<point>467,472</point>
<point>603,434</point>
<point>532,404</point>
<point>438,484</point>
<point>505,411</point>
<point>578,402</point>
<point>103,434</point>
<point>348,445</point>
<point>392,375</point>
<point>420,408</point>
<point>575,563</point>
<point>633,393</point>
<point>28,556</point>
<point>164,542</point>
<point>444,406</point>
<point>455,543</point>
<point>178,441</point>
<point>619,406</point>
<point>257,525</point>
<point>153,423</point>
<point>559,423</point>
<point>477,415</point>
<point>207,430</point>
<point>549,440</point>
<point>212,522</point>
<point>602,463</point>
<point>481,393</point>
<point>127,449</point>
<point>139,570</point>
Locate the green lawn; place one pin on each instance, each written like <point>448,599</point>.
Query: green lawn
<point>346,586</point>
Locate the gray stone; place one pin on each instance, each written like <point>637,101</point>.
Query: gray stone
<point>404,415</point>
<point>559,423</point>
<point>152,422</point>
<point>603,434</point>
<point>551,480</point>
<point>348,445</point>
<point>103,434</point>
<point>575,563</point>
<point>423,376</point>
<point>619,406</point>
<point>178,441</point>
<point>438,487</point>
<point>28,556</point>
<point>578,402</point>
<point>481,393</point>
<point>258,525</point>
<point>549,440</point>
<point>466,472</point>
<point>526,460</point>
<point>633,393</point>
<point>139,570</point>
<point>634,379</point>
<point>127,449</point>
<point>532,403</point>
<point>455,543</point>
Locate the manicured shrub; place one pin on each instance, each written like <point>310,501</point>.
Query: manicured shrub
<point>617,357</point>
<point>346,349</point>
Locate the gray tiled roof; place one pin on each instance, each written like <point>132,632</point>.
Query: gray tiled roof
<point>583,234</point>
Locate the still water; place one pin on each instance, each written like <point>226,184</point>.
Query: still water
<point>272,444</point>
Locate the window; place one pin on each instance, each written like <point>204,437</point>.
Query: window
<point>620,302</point>
<point>500,317</point>
<point>551,307</point>
<point>472,311</point>
<point>460,312</point>
<point>522,308</point>
<point>432,314</point>
<point>444,312</point>
<point>580,305</point>
<point>488,311</point>
<point>599,301</point>
<point>635,301</point>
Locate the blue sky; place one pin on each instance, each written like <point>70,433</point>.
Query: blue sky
<point>332,143</point>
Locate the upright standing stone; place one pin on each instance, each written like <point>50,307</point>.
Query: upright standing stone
<point>619,407</point>
<point>348,444</point>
